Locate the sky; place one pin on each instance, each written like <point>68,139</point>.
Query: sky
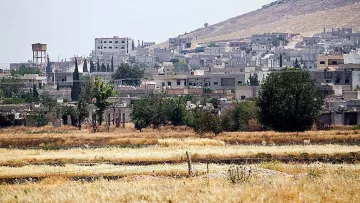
<point>69,27</point>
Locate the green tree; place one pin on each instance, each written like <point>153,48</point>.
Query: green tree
<point>108,68</point>
<point>297,64</point>
<point>57,85</point>
<point>103,68</point>
<point>101,91</point>
<point>131,75</point>
<point>206,25</point>
<point>281,60</point>
<point>25,70</point>
<point>112,62</point>
<point>76,87</point>
<point>253,80</point>
<point>85,68</point>
<point>35,93</point>
<point>237,119</point>
<point>133,45</point>
<point>98,67</point>
<point>289,101</point>
<point>205,122</point>
<point>92,67</point>
<point>48,66</point>
<point>11,87</point>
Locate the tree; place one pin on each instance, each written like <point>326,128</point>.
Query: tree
<point>85,68</point>
<point>57,85</point>
<point>108,68</point>
<point>48,65</point>
<point>133,45</point>
<point>238,118</point>
<point>76,87</point>
<point>11,87</point>
<point>98,67</point>
<point>131,75</point>
<point>142,44</point>
<point>103,68</point>
<point>296,64</point>
<point>253,80</point>
<point>101,91</point>
<point>82,111</point>
<point>206,25</point>
<point>24,70</point>
<point>281,61</point>
<point>112,63</point>
<point>35,93</point>
<point>289,101</point>
<point>205,121</point>
<point>92,67</point>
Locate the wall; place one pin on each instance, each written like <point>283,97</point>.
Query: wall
<point>247,92</point>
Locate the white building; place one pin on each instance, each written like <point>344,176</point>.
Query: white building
<point>113,45</point>
<point>148,44</point>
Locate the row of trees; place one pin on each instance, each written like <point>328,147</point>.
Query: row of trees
<point>288,101</point>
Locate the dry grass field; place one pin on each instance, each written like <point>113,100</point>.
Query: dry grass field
<point>123,165</point>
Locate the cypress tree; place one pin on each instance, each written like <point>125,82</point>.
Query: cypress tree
<point>92,66</point>
<point>142,44</point>
<point>108,68</point>
<point>103,68</point>
<point>57,85</point>
<point>76,89</point>
<point>35,93</point>
<point>296,64</point>
<point>48,65</point>
<point>85,69</point>
<point>281,61</point>
<point>133,45</point>
<point>112,63</point>
<point>98,67</point>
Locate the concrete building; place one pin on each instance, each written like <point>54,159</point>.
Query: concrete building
<point>325,61</point>
<point>148,44</point>
<point>163,55</point>
<point>217,51</point>
<point>113,45</point>
<point>246,92</point>
<point>180,43</point>
<point>227,81</point>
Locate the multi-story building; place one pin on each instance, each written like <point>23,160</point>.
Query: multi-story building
<point>180,43</point>
<point>148,44</point>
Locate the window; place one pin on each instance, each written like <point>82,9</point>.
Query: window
<point>243,97</point>
<point>110,47</point>
<point>216,83</point>
<point>328,81</point>
<point>123,42</point>
<point>99,47</point>
<point>322,62</point>
<point>116,47</point>
<point>116,42</point>
<point>104,42</point>
<point>178,83</point>
<point>105,47</point>
<point>334,62</point>
<point>110,42</point>
<point>169,83</point>
<point>163,84</point>
<point>347,81</point>
<point>206,84</point>
<point>240,82</point>
<point>122,47</point>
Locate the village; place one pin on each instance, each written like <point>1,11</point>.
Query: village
<point>229,71</point>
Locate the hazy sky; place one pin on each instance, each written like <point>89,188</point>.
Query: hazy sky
<point>70,26</point>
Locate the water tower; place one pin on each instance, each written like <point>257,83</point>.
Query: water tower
<point>39,56</point>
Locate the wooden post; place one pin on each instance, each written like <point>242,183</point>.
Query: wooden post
<point>123,120</point>
<point>109,123</point>
<point>118,119</point>
<point>188,156</point>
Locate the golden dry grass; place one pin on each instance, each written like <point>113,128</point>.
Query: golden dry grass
<point>329,186</point>
<point>175,154</point>
<point>166,136</point>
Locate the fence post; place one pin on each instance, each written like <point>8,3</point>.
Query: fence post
<point>188,156</point>
<point>123,120</point>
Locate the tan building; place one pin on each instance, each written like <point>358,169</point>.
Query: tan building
<point>325,61</point>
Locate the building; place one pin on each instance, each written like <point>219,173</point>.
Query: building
<point>246,92</point>
<point>217,51</point>
<point>112,46</point>
<point>148,44</point>
<point>180,43</point>
<point>325,61</point>
<point>163,55</point>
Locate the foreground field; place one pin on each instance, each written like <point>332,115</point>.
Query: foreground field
<point>45,137</point>
<point>67,165</point>
<point>323,185</point>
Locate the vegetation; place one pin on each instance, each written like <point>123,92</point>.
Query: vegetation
<point>129,74</point>
<point>92,67</point>
<point>85,68</point>
<point>239,118</point>
<point>100,92</point>
<point>253,80</point>
<point>48,66</point>
<point>26,70</point>
<point>76,87</point>
<point>11,87</point>
<point>289,101</point>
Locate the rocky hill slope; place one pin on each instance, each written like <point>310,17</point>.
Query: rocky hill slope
<point>294,16</point>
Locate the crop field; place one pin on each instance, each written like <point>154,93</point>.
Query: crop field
<point>123,165</point>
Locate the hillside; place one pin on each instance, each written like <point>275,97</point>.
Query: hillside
<point>294,16</point>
